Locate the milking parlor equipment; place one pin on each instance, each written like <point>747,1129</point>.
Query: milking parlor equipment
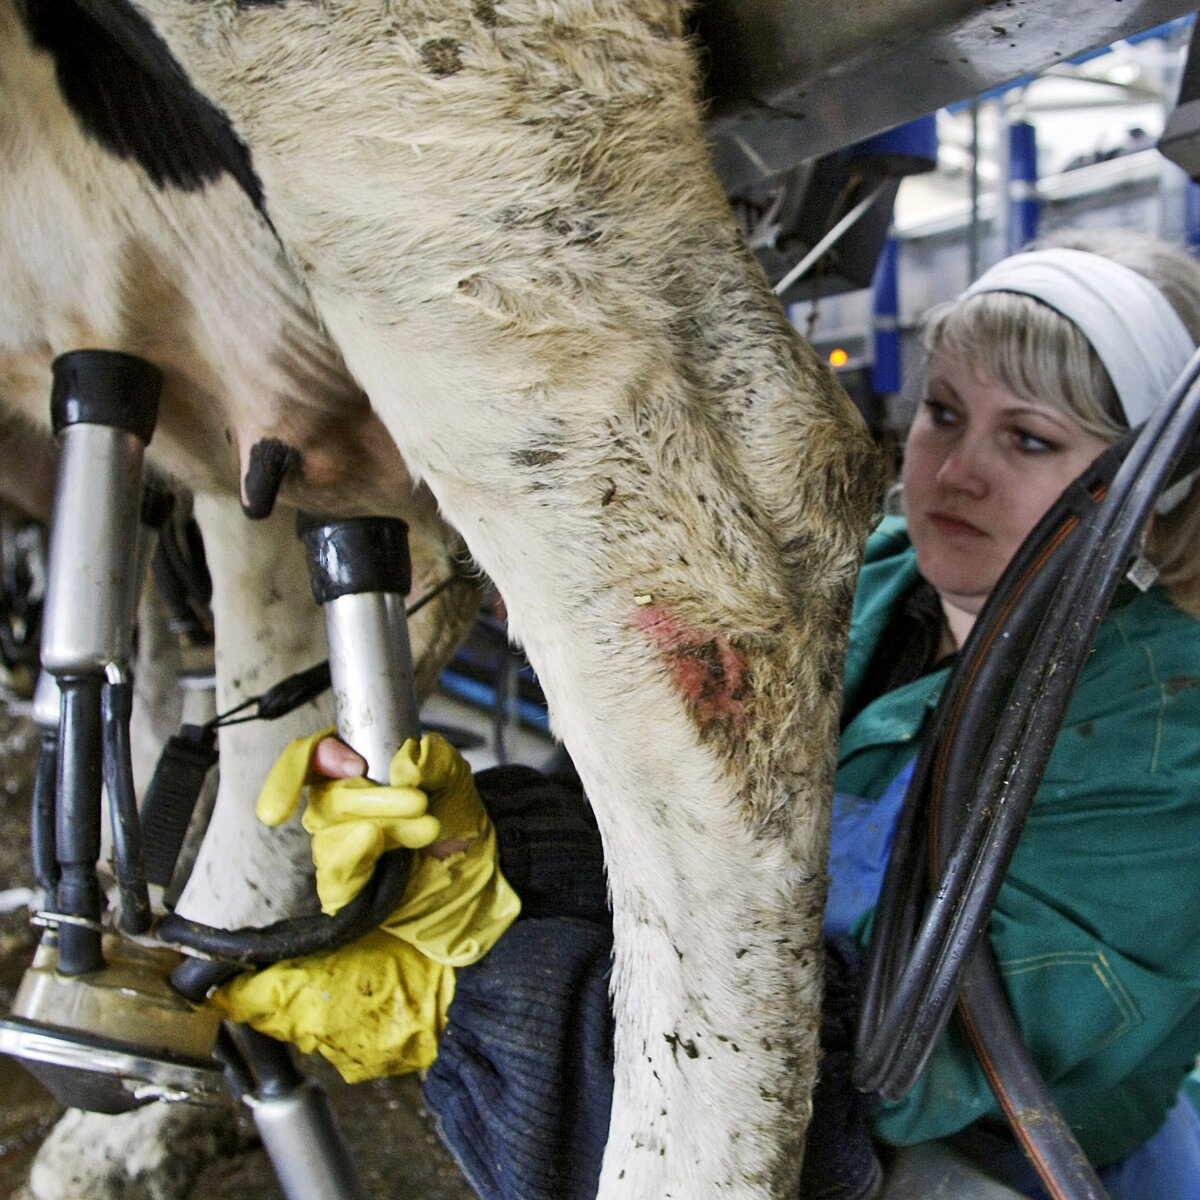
<point>110,1015</point>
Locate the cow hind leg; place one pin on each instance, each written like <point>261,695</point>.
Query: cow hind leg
<point>508,222</point>
<point>152,1153</point>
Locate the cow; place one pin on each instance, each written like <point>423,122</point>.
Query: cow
<point>503,215</point>
<point>95,255</point>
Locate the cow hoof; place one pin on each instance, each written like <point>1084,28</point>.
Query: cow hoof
<point>152,1153</point>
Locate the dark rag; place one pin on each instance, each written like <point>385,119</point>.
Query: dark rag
<point>522,1084</point>
<point>840,1162</point>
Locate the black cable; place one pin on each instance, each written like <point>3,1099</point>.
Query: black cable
<point>900,958</point>
<point>289,693</point>
<point>896,1039</point>
<point>116,709</point>
<point>297,936</point>
<point>1040,1128</point>
<point>45,864</point>
<point>77,824</point>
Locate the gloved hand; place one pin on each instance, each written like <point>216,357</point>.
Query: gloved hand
<point>457,903</point>
<point>374,1007</point>
<point>352,821</point>
<point>377,1005</point>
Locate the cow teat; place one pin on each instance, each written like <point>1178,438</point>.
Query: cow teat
<point>271,460</point>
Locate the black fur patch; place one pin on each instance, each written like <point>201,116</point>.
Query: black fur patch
<point>128,94</point>
<point>443,56</point>
<point>485,13</point>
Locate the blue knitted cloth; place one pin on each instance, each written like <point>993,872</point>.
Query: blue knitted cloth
<point>522,1084</point>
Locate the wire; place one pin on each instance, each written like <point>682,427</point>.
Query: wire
<point>288,694</point>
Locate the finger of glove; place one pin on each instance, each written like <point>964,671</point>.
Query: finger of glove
<point>413,833</point>
<point>281,790</point>
<point>345,856</point>
<point>447,778</point>
<point>440,765</point>
<point>435,766</point>
<point>430,764</point>
<point>359,799</point>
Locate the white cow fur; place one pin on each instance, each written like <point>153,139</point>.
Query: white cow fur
<point>505,216</point>
<point>94,255</point>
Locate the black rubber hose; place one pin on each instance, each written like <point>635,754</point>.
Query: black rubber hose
<point>194,978</point>
<point>1029,723</point>
<point>1166,448</point>
<point>297,936</point>
<point>896,1039</point>
<point>906,1034</point>
<point>237,1071</point>
<point>899,959</point>
<point>117,707</point>
<point>270,1060</point>
<point>45,864</point>
<point>77,823</point>
<point>1043,1133</point>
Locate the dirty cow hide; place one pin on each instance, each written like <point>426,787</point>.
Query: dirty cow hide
<point>503,213</point>
<point>93,252</point>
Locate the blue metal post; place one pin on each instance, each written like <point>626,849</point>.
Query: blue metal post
<point>885,371</point>
<point>1191,210</point>
<point>1023,204</point>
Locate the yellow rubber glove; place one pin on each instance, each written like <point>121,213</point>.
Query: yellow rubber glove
<point>352,821</point>
<point>456,906</point>
<point>375,1007</point>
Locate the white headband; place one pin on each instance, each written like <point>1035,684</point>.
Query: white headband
<point>1132,326</point>
<point>1134,329</point>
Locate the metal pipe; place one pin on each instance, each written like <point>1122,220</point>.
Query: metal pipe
<point>885,369</point>
<point>301,1136</point>
<point>1024,207</point>
<point>370,666</point>
<point>814,255</point>
<point>103,406</point>
<point>360,572</point>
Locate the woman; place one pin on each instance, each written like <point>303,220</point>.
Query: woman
<point>1098,925</point>
<point>1031,373</point>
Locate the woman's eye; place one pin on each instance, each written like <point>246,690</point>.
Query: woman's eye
<point>939,413</point>
<point>1030,443</point>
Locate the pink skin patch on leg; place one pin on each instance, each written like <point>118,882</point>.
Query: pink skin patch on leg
<point>704,666</point>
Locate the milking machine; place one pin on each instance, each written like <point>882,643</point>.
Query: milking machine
<point>110,1014</point>
<point>92,981</point>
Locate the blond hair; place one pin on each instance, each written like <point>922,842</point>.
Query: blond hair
<point>1036,353</point>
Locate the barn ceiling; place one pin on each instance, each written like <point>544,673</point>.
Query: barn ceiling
<point>789,80</point>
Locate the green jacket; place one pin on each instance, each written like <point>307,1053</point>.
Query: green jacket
<point>1097,927</point>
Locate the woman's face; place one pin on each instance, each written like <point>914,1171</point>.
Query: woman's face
<point>981,466</point>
